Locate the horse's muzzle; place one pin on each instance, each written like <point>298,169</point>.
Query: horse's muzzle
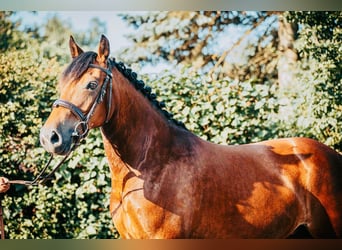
<point>54,142</point>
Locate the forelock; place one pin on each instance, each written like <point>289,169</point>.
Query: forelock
<point>78,66</point>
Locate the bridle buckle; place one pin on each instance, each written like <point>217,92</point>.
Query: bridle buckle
<point>83,125</point>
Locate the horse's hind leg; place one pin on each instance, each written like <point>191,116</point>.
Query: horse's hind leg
<point>325,212</point>
<point>325,193</point>
<point>319,224</point>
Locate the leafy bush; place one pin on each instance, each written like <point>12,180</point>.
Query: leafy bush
<point>26,94</point>
<point>318,88</point>
<point>222,111</point>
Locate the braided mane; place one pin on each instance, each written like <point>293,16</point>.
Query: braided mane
<point>145,90</point>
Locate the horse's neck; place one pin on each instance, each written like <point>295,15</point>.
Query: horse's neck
<point>136,129</point>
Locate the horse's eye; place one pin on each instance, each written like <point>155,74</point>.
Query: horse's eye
<point>92,85</point>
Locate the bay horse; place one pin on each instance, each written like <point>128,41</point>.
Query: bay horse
<point>167,182</point>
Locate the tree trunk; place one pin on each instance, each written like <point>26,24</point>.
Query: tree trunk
<point>287,64</point>
<point>288,55</point>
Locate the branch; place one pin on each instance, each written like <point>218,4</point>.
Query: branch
<point>237,43</point>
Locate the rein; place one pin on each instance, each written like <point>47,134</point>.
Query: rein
<point>77,137</point>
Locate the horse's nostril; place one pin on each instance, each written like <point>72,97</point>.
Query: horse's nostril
<point>55,137</point>
<point>53,141</point>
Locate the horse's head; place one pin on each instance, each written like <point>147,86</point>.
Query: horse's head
<point>85,99</point>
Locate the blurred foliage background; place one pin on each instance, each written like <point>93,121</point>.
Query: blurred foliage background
<point>279,75</point>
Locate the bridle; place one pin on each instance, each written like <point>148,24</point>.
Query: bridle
<point>77,137</point>
<point>84,118</point>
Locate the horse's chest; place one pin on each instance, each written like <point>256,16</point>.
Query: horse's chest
<point>136,217</point>
<point>163,207</point>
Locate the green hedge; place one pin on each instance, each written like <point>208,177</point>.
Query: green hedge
<point>222,111</point>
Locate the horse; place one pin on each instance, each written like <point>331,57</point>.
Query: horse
<point>166,182</point>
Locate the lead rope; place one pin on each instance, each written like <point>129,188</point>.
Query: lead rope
<point>40,179</point>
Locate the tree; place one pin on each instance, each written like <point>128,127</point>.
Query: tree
<point>195,38</point>
<point>318,88</point>
<point>56,33</point>
<point>89,38</point>
<point>10,37</point>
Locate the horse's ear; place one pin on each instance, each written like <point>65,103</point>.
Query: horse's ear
<point>104,50</point>
<point>75,50</point>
